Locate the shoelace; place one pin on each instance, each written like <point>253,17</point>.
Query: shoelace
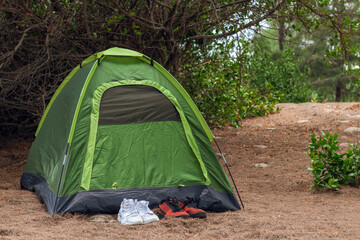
<point>145,209</point>
<point>187,201</point>
<point>132,209</point>
<point>175,203</point>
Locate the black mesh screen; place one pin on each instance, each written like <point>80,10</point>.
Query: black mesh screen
<point>135,104</point>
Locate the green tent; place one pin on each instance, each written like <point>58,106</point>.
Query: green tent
<point>120,126</point>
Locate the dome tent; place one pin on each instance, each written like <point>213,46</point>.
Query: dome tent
<point>120,126</point>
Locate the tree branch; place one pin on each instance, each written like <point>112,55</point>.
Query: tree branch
<point>238,29</point>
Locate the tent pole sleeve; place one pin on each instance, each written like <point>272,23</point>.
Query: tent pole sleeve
<point>82,94</point>
<point>61,173</point>
<point>60,88</point>
<point>223,157</point>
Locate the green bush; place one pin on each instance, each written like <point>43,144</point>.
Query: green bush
<point>330,169</point>
<point>282,71</point>
<point>222,97</point>
<point>219,85</point>
<point>247,83</point>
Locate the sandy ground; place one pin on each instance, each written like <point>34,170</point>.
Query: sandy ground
<point>279,203</point>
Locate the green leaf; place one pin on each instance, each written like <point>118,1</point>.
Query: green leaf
<point>135,26</point>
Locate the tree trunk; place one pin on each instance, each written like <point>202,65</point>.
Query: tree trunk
<point>339,88</point>
<point>281,34</point>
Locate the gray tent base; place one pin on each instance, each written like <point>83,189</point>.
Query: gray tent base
<point>108,201</point>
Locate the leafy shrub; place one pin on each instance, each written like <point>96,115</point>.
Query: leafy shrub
<point>223,97</point>
<point>227,88</point>
<point>282,71</point>
<point>330,169</point>
<point>219,85</point>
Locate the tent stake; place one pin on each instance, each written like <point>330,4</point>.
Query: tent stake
<point>61,173</point>
<point>223,157</point>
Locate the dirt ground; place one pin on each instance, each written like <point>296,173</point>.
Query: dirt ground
<point>268,160</point>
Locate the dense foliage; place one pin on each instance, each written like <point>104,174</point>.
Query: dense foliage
<point>228,88</point>
<point>327,43</point>
<point>43,40</point>
<point>329,168</point>
<point>219,86</point>
<point>282,72</point>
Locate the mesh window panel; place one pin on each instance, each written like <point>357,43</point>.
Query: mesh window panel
<point>135,104</point>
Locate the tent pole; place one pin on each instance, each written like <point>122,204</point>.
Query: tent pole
<point>223,157</point>
<point>61,173</point>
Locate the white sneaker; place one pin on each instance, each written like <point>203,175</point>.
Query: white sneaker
<point>128,214</point>
<point>144,211</point>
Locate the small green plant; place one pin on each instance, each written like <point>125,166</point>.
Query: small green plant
<point>314,97</point>
<point>329,168</point>
<point>352,165</point>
